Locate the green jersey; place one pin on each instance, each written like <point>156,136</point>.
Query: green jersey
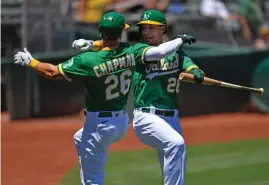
<point>106,75</point>
<point>157,83</point>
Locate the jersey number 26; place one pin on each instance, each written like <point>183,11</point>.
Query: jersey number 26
<point>121,82</point>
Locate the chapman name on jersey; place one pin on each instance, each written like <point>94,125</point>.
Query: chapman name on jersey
<point>113,65</point>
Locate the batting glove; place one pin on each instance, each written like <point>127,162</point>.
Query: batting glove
<point>198,75</point>
<point>187,39</point>
<point>23,58</point>
<point>82,45</point>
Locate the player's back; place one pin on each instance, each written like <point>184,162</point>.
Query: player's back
<point>108,86</point>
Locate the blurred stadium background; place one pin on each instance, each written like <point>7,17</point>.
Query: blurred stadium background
<point>38,116</point>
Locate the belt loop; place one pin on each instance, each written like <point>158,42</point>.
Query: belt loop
<point>116,114</point>
<point>152,110</point>
<point>176,114</point>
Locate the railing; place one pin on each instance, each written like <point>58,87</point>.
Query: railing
<point>11,12</point>
<point>37,21</point>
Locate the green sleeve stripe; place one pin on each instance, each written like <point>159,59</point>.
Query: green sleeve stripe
<point>60,69</point>
<point>191,67</point>
<point>143,54</point>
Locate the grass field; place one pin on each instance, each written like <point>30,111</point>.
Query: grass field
<point>236,163</point>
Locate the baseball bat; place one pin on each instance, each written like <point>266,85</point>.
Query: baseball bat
<point>209,81</point>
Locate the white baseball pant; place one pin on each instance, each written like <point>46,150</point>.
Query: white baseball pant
<point>92,143</point>
<point>163,133</point>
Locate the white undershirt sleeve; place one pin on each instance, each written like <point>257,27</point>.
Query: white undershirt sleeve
<point>163,50</point>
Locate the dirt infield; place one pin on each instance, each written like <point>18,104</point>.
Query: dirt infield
<point>40,151</point>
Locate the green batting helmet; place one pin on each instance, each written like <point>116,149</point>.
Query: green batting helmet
<point>153,17</point>
<point>111,25</point>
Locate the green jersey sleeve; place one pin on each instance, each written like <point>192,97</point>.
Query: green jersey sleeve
<point>76,68</point>
<point>140,50</point>
<point>186,64</point>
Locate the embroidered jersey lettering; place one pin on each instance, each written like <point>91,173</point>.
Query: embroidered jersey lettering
<point>157,83</point>
<point>106,75</point>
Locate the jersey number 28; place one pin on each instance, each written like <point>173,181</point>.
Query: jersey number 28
<point>173,85</point>
<point>121,82</point>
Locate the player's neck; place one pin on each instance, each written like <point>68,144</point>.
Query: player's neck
<point>157,42</point>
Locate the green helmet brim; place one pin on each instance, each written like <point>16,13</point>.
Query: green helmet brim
<point>149,22</point>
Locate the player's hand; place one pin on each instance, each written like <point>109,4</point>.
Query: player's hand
<point>82,45</point>
<point>198,75</point>
<point>187,39</point>
<point>23,58</point>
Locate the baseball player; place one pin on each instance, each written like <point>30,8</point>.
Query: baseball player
<point>156,90</point>
<point>156,93</point>
<point>106,75</point>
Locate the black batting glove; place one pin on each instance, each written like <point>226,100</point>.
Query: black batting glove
<point>187,39</point>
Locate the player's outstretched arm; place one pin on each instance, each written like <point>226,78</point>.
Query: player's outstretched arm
<point>167,48</point>
<point>151,54</point>
<point>45,69</point>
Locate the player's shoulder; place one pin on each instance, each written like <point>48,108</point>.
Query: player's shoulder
<point>141,44</point>
<point>139,48</point>
<point>86,55</point>
<point>86,58</point>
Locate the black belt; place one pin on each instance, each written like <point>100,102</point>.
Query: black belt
<point>167,113</point>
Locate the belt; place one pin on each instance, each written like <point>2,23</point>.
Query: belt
<point>166,113</point>
<point>105,114</point>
